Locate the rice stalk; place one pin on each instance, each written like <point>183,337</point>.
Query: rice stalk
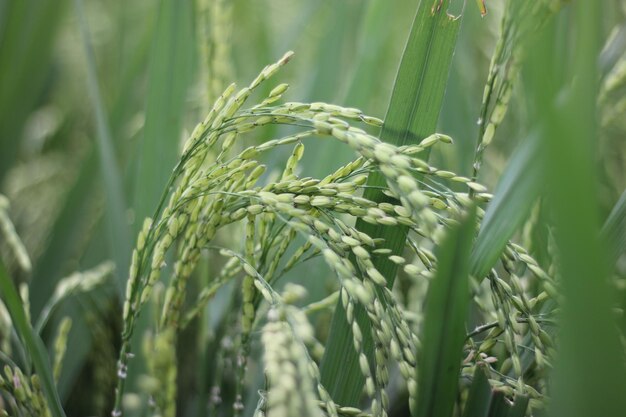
<point>214,185</point>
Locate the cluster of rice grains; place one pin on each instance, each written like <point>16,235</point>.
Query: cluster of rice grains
<point>290,220</point>
<point>25,392</point>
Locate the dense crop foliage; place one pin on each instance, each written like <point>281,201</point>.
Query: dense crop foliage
<point>447,239</point>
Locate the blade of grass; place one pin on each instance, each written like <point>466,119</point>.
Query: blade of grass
<point>515,194</point>
<point>443,335</point>
<point>370,67</point>
<point>65,239</point>
<point>412,115</point>
<point>32,342</point>
<point>589,377</point>
<point>477,404</point>
<point>499,406</point>
<point>335,52</point>
<point>169,77</point>
<point>118,235</point>
<point>520,405</point>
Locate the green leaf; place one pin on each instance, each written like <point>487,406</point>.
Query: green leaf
<point>520,405</point>
<point>514,196</point>
<point>589,376</point>
<point>443,335</point>
<point>32,342</point>
<point>499,406</point>
<point>117,225</point>
<point>169,77</point>
<point>412,115</point>
<point>479,398</point>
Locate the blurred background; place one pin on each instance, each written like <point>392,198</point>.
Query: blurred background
<point>96,96</point>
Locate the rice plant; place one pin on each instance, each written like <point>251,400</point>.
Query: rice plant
<point>295,257</point>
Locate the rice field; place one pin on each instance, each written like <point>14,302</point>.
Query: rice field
<point>274,208</point>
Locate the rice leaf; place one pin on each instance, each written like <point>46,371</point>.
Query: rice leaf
<point>65,239</point>
<point>371,60</point>
<point>477,404</point>
<point>33,344</point>
<point>589,376</point>
<point>168,79</point>
<point>412,115</point>
<point>520,405</point>
<point>514,196</point>
<point>499,406</point>
<point>443,335</point>
<point>117,226</point>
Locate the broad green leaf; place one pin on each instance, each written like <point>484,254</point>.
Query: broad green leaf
<point>412,115</point>
<point>515,194</point>
<point>443,335</point>
<point>32,342</point>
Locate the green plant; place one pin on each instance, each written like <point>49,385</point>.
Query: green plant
<point>393,283</point>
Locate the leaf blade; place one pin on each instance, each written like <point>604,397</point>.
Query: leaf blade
<point>443,335</point>
<point>477,404</point>
<point>31,340</point>
<point>117,225</point>
<point>169,77</point>
<point>412,115</point>
<point>590,356</point>
<point>514,195</point>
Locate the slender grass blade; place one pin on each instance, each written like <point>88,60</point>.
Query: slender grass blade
<point>514,196</point>
<point>443,335</point>
<point>519,407</point>
<point>589,377</point>
<point>477,404</point>
<point>499,406</point>
<point>117,226</point>
<point>169,77</point>
<point>32,342</point>
<point>412,115</point>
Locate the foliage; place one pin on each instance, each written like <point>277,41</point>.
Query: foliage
<point>305,258</point>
